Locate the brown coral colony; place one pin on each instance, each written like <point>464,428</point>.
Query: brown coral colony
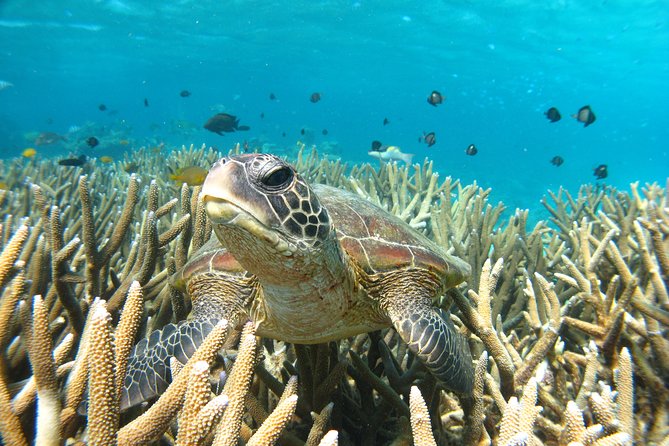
<point>566,320</point>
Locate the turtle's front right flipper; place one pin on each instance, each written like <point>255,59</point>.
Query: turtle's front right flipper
<point>148,373</point>
<point>430,334</point>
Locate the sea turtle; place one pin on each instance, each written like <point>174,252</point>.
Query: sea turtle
<point>308,264</point>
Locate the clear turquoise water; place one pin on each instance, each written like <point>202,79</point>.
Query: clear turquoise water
<point>500,64</point>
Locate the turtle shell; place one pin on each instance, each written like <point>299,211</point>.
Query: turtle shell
<point>376,240</point>
<point>380,242</point>
<point>210,257</point>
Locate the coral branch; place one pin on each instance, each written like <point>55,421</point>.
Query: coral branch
<point>236,388</point>
<point>40,350</point>
<point>420,419</point>
<point>103,412</point>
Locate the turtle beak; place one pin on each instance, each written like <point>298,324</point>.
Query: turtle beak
<point>215,181</point>
<point>216,192</point>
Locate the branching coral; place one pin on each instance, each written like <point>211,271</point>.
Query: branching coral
<point>103,404</point>
<point>199,413</point>
<point>420,419</point>
<point>568,318</point>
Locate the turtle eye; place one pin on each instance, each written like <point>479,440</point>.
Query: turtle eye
<point>279,177</point>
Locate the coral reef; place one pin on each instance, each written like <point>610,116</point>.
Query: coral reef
<point>568,319</point>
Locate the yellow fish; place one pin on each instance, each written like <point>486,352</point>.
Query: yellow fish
<point>192,175</point>
<point>106,159</point>
<point>29,152</point>
<point>124,142</point>
<point>4,186</point>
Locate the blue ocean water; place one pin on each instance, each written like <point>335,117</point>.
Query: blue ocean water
<point>500,65</point>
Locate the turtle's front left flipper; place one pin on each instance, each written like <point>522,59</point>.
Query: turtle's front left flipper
<point>430,334</point>
<point>148,373</point>
<point>215,295</point>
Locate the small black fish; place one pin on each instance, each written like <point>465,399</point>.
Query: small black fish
<point>430,138</point>
<point>471,150</point>
<point>601,172</point>
<point>435,98</point>
<point>302,131</point>
<point>272,97</point>
<point>325,131</point>
<point>184,93</point>
<point>92,142</point>
<point>262,115</point>
<point>224,122</point>
<point>553,114</point>
<point>146,102</point>
<point>102,107</point>
<point>315,97</point>
<point>557,161</point>
<point>385,121</point>
<point>79,161</point>
<point>376,146</point>
<point>283,134</point>
<point>585,115</point>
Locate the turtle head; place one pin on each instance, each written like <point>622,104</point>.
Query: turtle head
<point>262,196</point>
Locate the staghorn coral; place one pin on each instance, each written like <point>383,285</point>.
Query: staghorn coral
<point>103,410</point>
<point>420,419</point>
<point>568,318</point>
<point>199,413</point>
<point>236,388</point>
